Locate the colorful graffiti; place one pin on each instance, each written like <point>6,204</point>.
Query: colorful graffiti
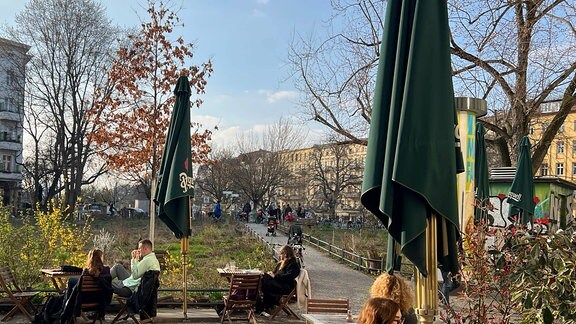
<point>552,213</point>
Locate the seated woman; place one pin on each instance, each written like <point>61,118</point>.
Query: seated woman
<point>94,267</point>
<point>280,281</point>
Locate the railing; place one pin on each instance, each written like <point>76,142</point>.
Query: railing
<point>357,261</point>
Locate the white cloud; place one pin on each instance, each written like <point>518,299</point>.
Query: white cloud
<point>282,95</point>
<point>274,96</point>
<point>262,1</point>
<point>258,13</point>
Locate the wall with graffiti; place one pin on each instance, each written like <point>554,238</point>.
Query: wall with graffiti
<point>554,206</point>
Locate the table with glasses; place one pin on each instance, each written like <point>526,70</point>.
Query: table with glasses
<point>59,277</point>
<point>322,318</point>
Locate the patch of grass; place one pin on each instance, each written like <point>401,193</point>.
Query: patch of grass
<point>367,242</point>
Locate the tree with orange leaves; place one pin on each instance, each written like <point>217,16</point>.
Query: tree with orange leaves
<point>133,111</point>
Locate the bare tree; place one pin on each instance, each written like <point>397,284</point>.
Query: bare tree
<point>260,169</point>
<point>70,43</point>
<point>336,72</point>
<point>335,172</point>
<point>515,54</point>
<point>215,177</point>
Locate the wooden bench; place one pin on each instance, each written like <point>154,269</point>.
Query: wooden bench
<point>333,306</point>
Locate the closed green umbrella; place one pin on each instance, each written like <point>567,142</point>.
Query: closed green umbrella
<point>175,186</point>
<point>521,195</point>
<point>481,182</point>
<point>410,173</point>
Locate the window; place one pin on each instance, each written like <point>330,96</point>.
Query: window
<point>561,129</point>
<point>544,169</point>
<point>573,168</point>
<point>531,130</point>
<point>10,77</point>
<point>574,124</point>
<point>559,169</point>
<point>560,147</point>
<point>574,146</point>
<point>7,163</point>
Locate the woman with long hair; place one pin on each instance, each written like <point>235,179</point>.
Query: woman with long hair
<point>280,281</point>
<point>378,310</point>
<point>95,264</point>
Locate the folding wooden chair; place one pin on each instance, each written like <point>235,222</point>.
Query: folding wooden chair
<point>242,297</point>
<point>332,306</point>
<point>283,305</point>
<point>91,298</point>
<point>22,299</point>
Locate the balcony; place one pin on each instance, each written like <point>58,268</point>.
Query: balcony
<point>10,176</point>
<point>10,145</point>
<point>10,115</point>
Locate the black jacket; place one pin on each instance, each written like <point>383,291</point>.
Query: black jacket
<point>146,296</point>
<point>72,305</point>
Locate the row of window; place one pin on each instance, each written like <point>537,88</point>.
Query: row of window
<point>559,169</point>
<point>544,125</point>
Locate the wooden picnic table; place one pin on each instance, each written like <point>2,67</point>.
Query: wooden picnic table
<point>59,277</point>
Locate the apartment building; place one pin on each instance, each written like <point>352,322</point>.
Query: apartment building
<point>560,160</point>
<point>317,171</point>
<point>13,59</point>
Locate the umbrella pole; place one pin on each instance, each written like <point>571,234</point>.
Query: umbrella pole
<point>427,287</point>
<point>184,249</point>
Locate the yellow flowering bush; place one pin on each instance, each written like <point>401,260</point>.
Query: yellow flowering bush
<point>40,240</point>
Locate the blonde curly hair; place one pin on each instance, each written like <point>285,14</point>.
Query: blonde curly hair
<point>395,288</point>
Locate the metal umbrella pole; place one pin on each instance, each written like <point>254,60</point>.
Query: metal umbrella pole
<point>427,286</point>
<point>184,250</point>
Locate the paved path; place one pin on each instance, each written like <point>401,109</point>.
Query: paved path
<point>329,278</point>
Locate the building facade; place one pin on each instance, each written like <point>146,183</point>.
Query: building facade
<point>560,160</point>
<point>325,179</point>
<point>13,59</point>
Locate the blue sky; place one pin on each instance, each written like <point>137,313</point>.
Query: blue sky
<point>247,41</point>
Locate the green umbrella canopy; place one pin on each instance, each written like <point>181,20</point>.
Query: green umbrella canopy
<point>175,184</point>
<point>481,182</point>
<point>521,195</point>
<point>411,162</point>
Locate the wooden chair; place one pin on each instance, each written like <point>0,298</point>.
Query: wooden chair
<point>22,299</point>
<point>91,298</point>
<point>283,305</point>
<point>332,306</point>
<point>242,297</point>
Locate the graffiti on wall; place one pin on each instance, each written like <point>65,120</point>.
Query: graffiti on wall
<point>550,214</point>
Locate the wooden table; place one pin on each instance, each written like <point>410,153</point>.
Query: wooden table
<point>59,277</point>
<point>327,318</point>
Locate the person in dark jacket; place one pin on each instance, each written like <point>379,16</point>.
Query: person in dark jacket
<point>146,296</point>
<point>94,267</point>
<point>280,281</point>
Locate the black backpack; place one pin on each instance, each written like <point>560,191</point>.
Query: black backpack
<point>51,311</point>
